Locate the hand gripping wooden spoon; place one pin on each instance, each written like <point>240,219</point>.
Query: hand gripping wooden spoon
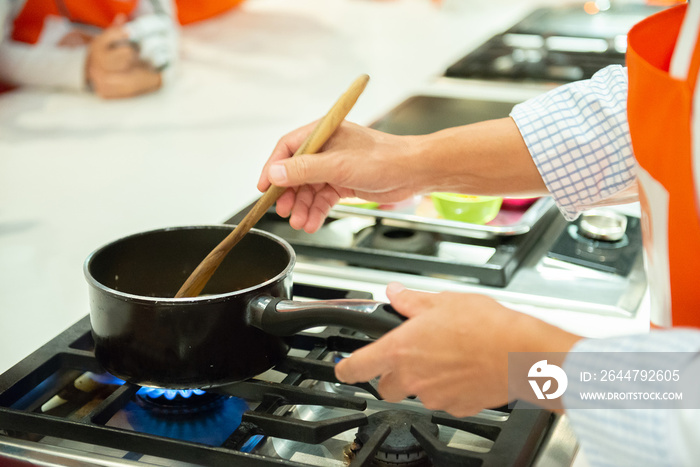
<point>324,129</point>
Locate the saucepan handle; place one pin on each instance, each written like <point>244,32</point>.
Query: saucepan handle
<point>283,317</point>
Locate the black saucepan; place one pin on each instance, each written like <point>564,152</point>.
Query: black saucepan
<point>231,332</point>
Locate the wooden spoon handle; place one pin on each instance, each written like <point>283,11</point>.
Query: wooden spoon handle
<point>324,129</point>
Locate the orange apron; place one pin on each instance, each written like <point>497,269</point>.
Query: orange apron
<point>660,120</point>
<point>29,22</point>
<point>190,11</point>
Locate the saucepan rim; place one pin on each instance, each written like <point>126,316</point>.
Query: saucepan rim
<point>200,299</point>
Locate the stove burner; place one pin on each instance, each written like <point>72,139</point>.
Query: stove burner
<point>177,401</point>
<point>400,447</point>
<point>405,240</point>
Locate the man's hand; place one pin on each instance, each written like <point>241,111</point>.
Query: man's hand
<point>355,162</point>
<point>452,352</point>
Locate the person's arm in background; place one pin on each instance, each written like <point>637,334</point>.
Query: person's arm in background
<point>152,37</point>
<point>109,63</point>
<point>39,64</point>
<point>138,56</point>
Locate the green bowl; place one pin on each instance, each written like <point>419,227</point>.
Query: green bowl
<point>358,203</point>
<point>465,208</point>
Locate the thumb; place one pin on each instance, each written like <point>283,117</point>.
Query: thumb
<point>302,170</point>
<point>409,303</point>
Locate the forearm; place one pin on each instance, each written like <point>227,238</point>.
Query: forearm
<point>543,340</point>
<point>41,65</point>
<point>486,158</point>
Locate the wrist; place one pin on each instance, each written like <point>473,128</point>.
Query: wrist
<point>536,335</point>
<point>433,165</point>
<point>539,337</point>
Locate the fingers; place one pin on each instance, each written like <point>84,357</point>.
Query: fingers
<point>391,389</point>
<point>300,211</point>
<point>309,207</point>
<point>285,203</point>
<point>365,363</point>
<point>120,57</point>
<point>111,85</point>
<point>116,33</point>
<point>111,51</point>
<point>324,198</point>
<point>409,303</point>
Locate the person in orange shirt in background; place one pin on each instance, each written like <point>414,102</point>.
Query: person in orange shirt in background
<point>192,11</point>
<point>117,48</point>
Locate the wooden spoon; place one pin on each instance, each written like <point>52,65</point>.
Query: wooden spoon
<point>324,129</point>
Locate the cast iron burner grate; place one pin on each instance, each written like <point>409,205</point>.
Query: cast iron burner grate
<point>516,439</point>
<point>400,447</point>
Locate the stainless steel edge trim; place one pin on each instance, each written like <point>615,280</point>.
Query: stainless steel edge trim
<point>559,447</point>
<point>48,455</point>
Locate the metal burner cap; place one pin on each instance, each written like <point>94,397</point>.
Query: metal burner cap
<point>603,224</point>
<point>400,447</point>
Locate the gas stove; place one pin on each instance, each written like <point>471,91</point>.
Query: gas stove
<point>556,43</point>
<point>529,256</point>
<point>58,407</point>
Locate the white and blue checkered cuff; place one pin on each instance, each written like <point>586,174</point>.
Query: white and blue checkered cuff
<point>579,139</point>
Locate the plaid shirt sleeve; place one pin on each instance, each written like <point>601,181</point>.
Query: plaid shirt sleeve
<point>640,437</point>
<point>579,138</point>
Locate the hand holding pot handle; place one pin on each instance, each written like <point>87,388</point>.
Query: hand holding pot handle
<point>284,317</point>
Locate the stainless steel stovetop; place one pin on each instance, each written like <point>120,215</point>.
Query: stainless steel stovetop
<point>58,407</point>
<point>549,265</point>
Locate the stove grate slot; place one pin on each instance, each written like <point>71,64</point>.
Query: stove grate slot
<point>366,455</point>
<point>291,395</point>
<point>304,431</point>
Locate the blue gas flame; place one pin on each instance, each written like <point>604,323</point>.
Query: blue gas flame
<point>212,428</point>
<point>169,394</point>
